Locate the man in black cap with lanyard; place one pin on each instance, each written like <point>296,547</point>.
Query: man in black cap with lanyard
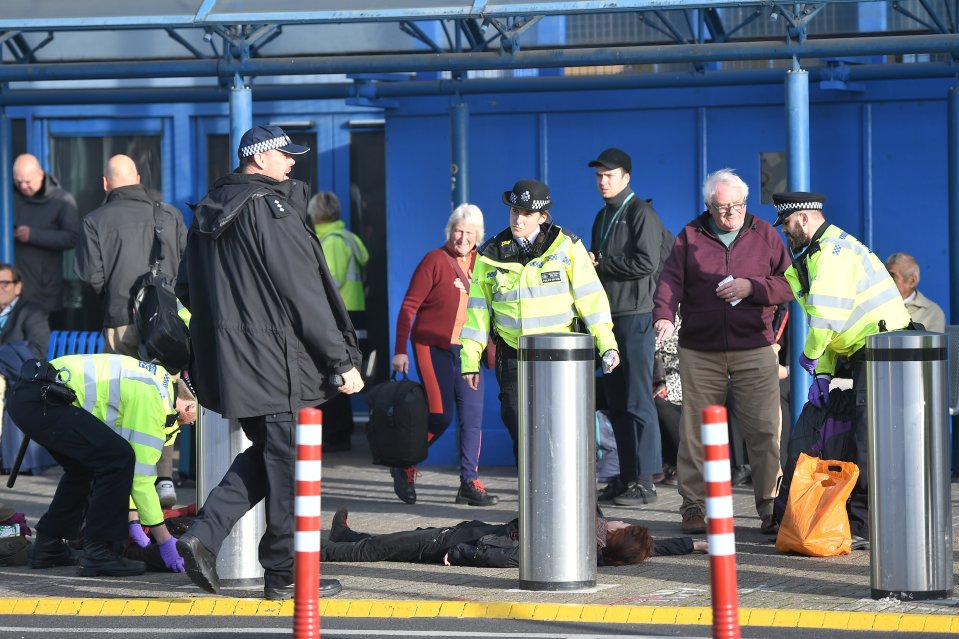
<point>846,292</point>
<point>270,335</point>
<point>627,241</point>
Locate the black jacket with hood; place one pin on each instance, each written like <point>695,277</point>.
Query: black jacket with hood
<point>54,225</point>
<point>116,247</point>
<point>268,326</point>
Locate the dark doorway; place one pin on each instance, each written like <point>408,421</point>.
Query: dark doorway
<point>368,220</point>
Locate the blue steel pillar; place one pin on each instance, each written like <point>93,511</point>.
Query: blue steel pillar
<point>797,156</point>
<point>459,134</point>
<point>241,115</point>
<point>6,189</point>
<point>954,240</point>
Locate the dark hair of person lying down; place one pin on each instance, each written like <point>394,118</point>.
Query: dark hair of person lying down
<point>629,545</point>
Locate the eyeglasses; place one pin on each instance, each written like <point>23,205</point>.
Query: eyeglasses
<point>7,283</point>
<point>738,207</point>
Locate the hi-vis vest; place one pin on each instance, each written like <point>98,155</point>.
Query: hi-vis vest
<point>134,399</point>
<point>846,293</point>
<point>345,255</point>
<point>543,296</point>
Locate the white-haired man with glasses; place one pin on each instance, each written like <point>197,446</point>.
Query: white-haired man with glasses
<point>725,276</point>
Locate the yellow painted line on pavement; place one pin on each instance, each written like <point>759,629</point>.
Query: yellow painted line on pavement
<point>399,608</point>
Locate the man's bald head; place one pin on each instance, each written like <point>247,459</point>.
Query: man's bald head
<point>121,170</point>
<point>27,175</point>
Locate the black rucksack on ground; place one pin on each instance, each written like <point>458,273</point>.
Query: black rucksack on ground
<point>399,421</point>
<point>164,337</point>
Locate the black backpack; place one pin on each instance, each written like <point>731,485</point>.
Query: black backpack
<point>164,337</point>
<point>399,421</point>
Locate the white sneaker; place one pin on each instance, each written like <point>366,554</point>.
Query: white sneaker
<point>167,493</point>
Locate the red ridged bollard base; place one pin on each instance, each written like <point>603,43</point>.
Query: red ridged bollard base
<point>719,515</point>
<point>306,540</point>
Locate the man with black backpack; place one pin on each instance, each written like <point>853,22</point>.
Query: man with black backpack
<point>116,250</point>
<point>629,246</point>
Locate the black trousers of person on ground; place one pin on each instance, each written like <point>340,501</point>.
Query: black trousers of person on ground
<point>423,545</point>
<point>94,490</point>
<point>265,470</point>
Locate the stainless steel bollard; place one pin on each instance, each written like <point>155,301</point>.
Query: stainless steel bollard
<point>910,508</point>
<point>218,441</point>
<point>557,462</point>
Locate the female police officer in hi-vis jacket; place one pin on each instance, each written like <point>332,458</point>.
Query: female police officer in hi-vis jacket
<point>533,277</point>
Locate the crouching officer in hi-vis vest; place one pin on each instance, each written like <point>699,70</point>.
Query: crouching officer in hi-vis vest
<point>531,278</point>
<point>105,419</point>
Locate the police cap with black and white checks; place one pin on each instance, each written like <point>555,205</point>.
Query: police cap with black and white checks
<point>788,203</point>
<point>261,139</point>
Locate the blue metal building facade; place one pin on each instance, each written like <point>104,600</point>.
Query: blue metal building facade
<point>880,155</point>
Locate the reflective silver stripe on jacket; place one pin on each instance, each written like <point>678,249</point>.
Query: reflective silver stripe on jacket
<point>474,334</point>
<point>146,470</point>
<point>513,323</point>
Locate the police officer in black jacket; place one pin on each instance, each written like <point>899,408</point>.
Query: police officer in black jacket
<point>270,335</point>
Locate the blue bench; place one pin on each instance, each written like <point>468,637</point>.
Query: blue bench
<point>74,343</point>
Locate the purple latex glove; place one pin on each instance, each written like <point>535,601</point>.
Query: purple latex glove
<point>171,558</point>
<point>808,365</point>
<point>819,391</point>
<point>137,535</point>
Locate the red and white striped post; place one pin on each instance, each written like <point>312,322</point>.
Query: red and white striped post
<point>306,541</point>
<point>719,515</point>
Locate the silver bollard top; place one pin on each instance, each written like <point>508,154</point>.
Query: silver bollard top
<point>556,347</point>
<point>905,345</point>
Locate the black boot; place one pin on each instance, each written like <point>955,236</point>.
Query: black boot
<point>404,483</point>
<point>49,552</point>
<point>100,559</point>
<point>340,530</point>
<point>473,492</point>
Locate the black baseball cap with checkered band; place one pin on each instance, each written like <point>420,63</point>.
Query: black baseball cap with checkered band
<point>263,138</point>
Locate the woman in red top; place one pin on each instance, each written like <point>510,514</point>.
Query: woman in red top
<point>437,298</point>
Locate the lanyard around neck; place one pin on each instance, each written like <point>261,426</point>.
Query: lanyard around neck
<point>609,227</point>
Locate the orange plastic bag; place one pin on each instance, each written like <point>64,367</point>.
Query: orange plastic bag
<point>815,522</point>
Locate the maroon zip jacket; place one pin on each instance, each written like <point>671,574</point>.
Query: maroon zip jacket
<point>696,265</point>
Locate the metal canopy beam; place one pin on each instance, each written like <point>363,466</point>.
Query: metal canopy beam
<point>30,15</point>
<point>715,52</point>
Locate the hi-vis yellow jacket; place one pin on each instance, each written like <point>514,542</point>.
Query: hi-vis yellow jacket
<point>845,290</point>
<point>133,398</point>
<point>543,296</point>
<point>345,255</point>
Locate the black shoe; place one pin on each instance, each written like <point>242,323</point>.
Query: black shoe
<point>328,588</point>
<point>49,552</point>
<point>741,475</point>
<point>403,483</point>
<point>340,530</point>
<point>859,543</point>
<point>473,492</point>
<point>613,488</point>
<point>769,525</point>
<point>200,564</point>
<point>636,495</point>
<point>99,559</point>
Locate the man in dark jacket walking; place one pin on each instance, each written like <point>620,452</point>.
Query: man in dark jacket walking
<point>726,271</point>
<point>116,249</point>
<point>46,224</point>
<point>627,253</point>
<point>270,335</point>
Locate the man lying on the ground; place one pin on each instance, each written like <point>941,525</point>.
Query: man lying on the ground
<point>475,543</point>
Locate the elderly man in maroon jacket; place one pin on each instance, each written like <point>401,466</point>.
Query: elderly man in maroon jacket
<point>725,276</point>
